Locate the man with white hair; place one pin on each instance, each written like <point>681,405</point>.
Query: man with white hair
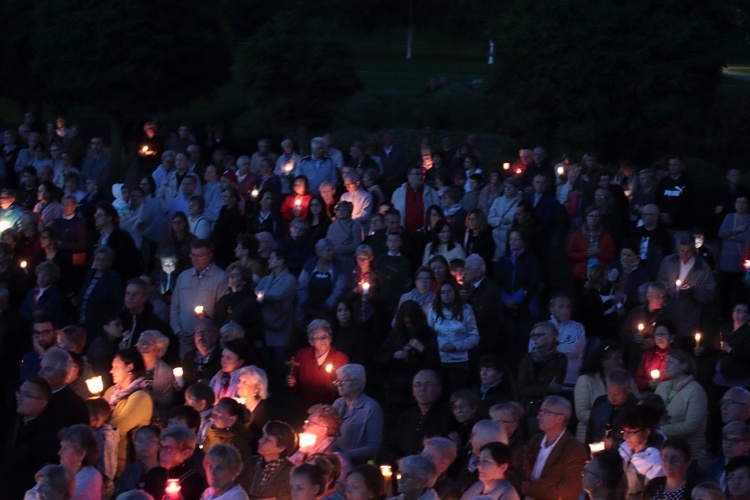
<point>359,198</point>
<point>361,417</point>
<point>417,478</point>
<point>442,452</point>
<point>484,298</point>
<point>245,177</point>
<point>65,405</point>
<point>556,458</point>
<point>317,166</point>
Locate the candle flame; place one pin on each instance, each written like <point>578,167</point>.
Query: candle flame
<point>560,170</point>
<point>177,372</point>
<point>746,264</point>
<point>144,148</point>
<point>329,368</point>
<point>23,264</point>
<point>678,283</point>
<point>655,374</point>
<point>698,337</point>
<point>198,309</point>
<point>173,487</point>
<point>95,385</point>
<point>307,440</point>
<point>594,447</point>
<point>386,471</point>
<point>640,327</point>
<point>297,202</point>
<point>365,287</point>
<point>506,166</point>
<point>519,171</point>
<point>240,400</point>
<point>254,193</point>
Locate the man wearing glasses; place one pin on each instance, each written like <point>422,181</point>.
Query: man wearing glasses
<point>556,458</point>
<point>602,475</point>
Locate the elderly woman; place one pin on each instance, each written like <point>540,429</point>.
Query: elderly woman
<point>235,355</point>
<point>542,371</point>
<point>131,405</point>
<point>241,304</point>
<point>267,474</point>
<point>223,464</point>
<point>177,445</point>
<point>158,376</point>
<point>365,284</point>
<point>313,378</point>
<point>687,405</point>
<point>641,458</point>
<point>228,427</point>
<point>253,389</point>
<point>495,461</point>
<point>79,450</point>
<point>320,283</point>
<point>361,432</point>
<point>424,280</point>
<point>464,405</point>
<point>418,475</point>
<point>456,329</point>
<point>53,482</point>
<point>45,296</point>
<point>102,290</point>
<point>483,432</point>
<point>675,484</point>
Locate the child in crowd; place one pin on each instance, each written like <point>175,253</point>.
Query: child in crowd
<point>108,437</point>
<point>201,398</point>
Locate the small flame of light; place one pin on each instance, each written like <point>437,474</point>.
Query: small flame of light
<point>198,309</point>
<point>177,371</point>
<point>173,487</point>
<point>307,440</point>
<point>655,374</point>
<point>365,287</point>
<point>640,327</point>
<point>298,202</point>
<point>560,170</point>
<point>746,264</point>
<point>594,447</point>
<point>329,368</point>
<point>4,224</point>
<point>698,338</point>
<point>144,149</point>
<point>506,166</point>
<point>254,193</point>
<point>24,264</point>
<point>386,471</point>
<point>95,385</point>
<point>519,171</point>
<point>240,400</point>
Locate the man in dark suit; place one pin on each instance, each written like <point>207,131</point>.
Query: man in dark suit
<point>545,204</point>
<point>555,459</point>
<point>604,421</point>
<point>484,298</point>
<point>67,407</point>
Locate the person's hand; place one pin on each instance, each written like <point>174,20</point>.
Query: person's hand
<point>638,336</point>
<point>648,343</point>
<point>554,387</point>
<point>401,354</point>
<point>613,274</point>
<point>592,251</point>
<point>297,210</point>
<point>448,347</point>
<point>416,345</point>
<point>291,381</point>
<point>725,346</point>
<point>698,350</point>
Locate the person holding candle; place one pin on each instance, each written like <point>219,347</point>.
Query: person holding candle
<point>175,471</point>
<point>687,405</point>
<point>131,404</point>
<point>158,376</point>
<point>637,331</point>
<point>267,474</point>
<point>264,217</point>
<point>656,357</point>
<point>295,205</point>
<point>731,371</point>
<point>322,425</point>
<point>228,419</point>
<point>310,379</point>
<point>639,450</point>
<point>241,305</point>
<point>345,234</point>
<point>223,464</point>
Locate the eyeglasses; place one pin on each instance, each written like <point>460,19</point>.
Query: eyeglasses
<point>544,411</point>
<point>310,422</point>
<point>320,338</point>
<point>630,433</point>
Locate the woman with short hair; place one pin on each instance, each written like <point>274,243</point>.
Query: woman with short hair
<point>79,450</point>
<point>267,474</point>
<point>253,389</point>
<point>222,465</point>
<point>495,462</point>
<point>159,379</point>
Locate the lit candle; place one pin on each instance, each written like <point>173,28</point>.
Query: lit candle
<point>24,264</point>
<point>145,149</point>
<point>519,171</point>
<point>677,285</point>
<point>307,440</point>
<point>594,447</point>
<point>95,385</point>
<point>746,264</point>
<point>506,166</point>
<point>640,327</point>
<point>288,167</point>
<point>298,202</point>
<point>259,295</point>
<point>365,288</point>
<point>254,193</point>
<point>240,400</point>
<point>655,374</point>
<point>177,372</point>
<point>4,224</point>
<point>386,471</point>
<point>198,310</point>
<point>698,338</point>
<point>329,368</point>
<point>173,488</point>
<point>560,170</point>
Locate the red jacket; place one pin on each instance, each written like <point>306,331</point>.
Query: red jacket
<point>314,384</point>
<point>578,248</point>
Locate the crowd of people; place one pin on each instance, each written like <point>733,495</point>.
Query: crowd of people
<point>383,323</point>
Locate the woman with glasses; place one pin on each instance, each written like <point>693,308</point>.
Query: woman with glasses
<point>642,461</point>
<point>323,422</point>
<point>312,377</point>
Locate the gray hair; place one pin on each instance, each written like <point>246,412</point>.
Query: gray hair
<point>322,243</point>
<point>489,431</point>
<point>476,260</point>
<point>228,456</point>
<point>255,375</point>
<point>737,427</point>
<point>444,446</point>
<point>561,404</point>
<point>231,331</point>
<point>160,340</point>
<point>424,470</point>
<point>59,478</point>
<point>168,155</point>
<point>319,325</point>
<point>515,409</point>
<point>364,250</point>
<point>184,437</point>
<point>50,268</point>
<point>59,358</point>
<point>619,377</point>
<point>317,141</point>
<point>353,371</point>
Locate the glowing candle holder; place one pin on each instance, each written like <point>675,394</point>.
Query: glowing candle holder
<point>298,202</point>
<point>640,327</point>
<point>4,224</point>
<point>24,264</point>
<point>594,447</point>
<point>698,338</point>
<point>254,193</point>
<point>519,171</point>
<point>178,376</point>
<point>386,471</point>
<point>365,288</point>
<point>655,374</point>
<point>506,166</point>
<point>240,400</point>
<point>560,170</point>
<point>198,311</point>
<point>745,264</point>
<point>677,285</point>
<point>288,168</point>
<point>173,489</point>
<point>95,385</point>
<point>259,294</point>
<point>307,440</point>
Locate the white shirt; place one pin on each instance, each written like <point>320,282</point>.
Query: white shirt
<point>541,458</point>
<point>685,268</point>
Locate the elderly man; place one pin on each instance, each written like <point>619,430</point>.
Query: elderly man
<point>602,475</point>
<point>359,198</point>
<point>652,239</point>
<point>555,459</point>
<point>317,167</point>
<point>604,424</point>
<point>31,440</point>
<point>172,180</point>
<point>545,204</point>
<point>245,178</point>
<point>196,292</point>
<point>484,298</point>
<point>264,153</point>
<point>417,478</point>
<point>675,195</point>
<point>442,452</point>
<point>637,332</point>
<point>571,337</point>
<point>65,405</point>
<point>204,360</point>
<point>690,284</point>
<point>413,199</point>
<point>428,418</point>
<point>361,417</point>
<point>177,444</point>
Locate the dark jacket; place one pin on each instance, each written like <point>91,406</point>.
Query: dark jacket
<point>561,475</point>
<point>534,378</point>
<point>604,419</point>
<point>733,364</point>
<point>520,279</point>
<point>277,486</point>
<point>484,300</point>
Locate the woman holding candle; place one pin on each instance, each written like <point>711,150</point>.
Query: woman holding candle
<point>318,434</point>
<point>178,240</point>
<point>158,375</point>
<point>131,404</point>
<point>264,217</point>
<point>656,357</point>
<point>295,205</point>
<point>732,370</point>
<point>311,379</point>
<point>236,354</point>
<point>687,405</point>
<point>223,464</point>
<point>253,389</point>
